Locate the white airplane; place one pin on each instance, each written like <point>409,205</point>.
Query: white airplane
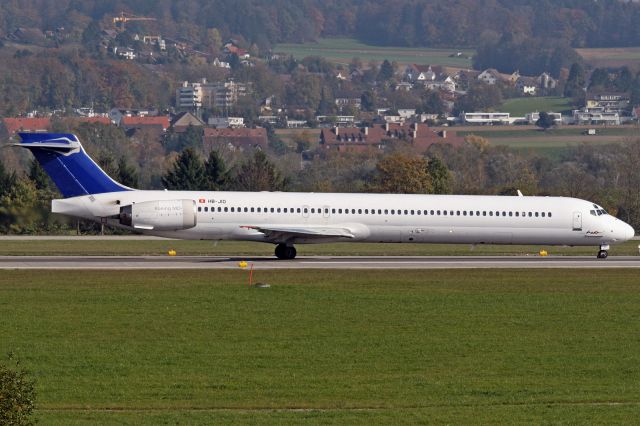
<point>288,218</point>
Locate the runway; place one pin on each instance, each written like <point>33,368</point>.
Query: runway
<point>315,262</point>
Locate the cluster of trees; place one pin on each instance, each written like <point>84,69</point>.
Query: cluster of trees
<point>530,56</point>
<point>599,173</point>
<point>397,22</point>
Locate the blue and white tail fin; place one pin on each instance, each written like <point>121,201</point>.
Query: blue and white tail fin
<point>65,161</point>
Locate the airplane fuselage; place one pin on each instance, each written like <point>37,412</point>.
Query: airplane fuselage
<point>391,218</point>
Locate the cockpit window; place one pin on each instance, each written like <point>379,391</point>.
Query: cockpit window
<point>593,212</point>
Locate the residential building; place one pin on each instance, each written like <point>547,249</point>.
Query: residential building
<point>297,124</point>
<point>596,116</point>
<point>14,125</point>
<point>353,102</point>
<point>183,120</point>
<point>489,118</point>
<point>235,139</point>
<point>125,52</point>
<point>527,86</point>
<point>226,122</point>
<point>338,120</point>
<point>219,94</point>
<point>610,102</point>
<point>545,81</point>
<point>492,76</point>
<point>190,95</point>
<point>158,122</point>
<point>420,136</point>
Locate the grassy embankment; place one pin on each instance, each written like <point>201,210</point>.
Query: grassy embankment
<point>81,247</point>
<point>342,51</point>
<point>345,347</point>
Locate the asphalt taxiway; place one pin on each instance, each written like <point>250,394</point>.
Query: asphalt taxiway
<point>315,262</point>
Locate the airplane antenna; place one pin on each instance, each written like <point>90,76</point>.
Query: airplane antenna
<point>520,194</point>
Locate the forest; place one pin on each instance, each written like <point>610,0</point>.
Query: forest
<point>576,23</point>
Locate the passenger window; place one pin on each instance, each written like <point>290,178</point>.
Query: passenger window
<point>413,212</point>
<point>530,214</point>
<point>504,213</point>
<point>232,210</point>
<point>517,214</point>
<point>199,209</point>
<point>313,210</point>
<point>306,210</point>
<point>272,209</point>
<point>438,212</point>
<point>510,214</point>
<point>549,214</point>
<point>379,211</point>
<point>339,211</point>
<point>284,210</point>
<point>491,213</point>
<point>470,212</point>
<point>278,210</point>
<point>353,211</point>
<point>542,214</point>
<point>393,211</point>
<point>206,209</point>
<point>386,211</point>
<point>484,213</point>
<point>444,212</point>
<point>420,212</point>
<point>406,212</point>
<point>431,212</point>
<point>478,213</point>
<point>226,209</point>
<point>333,211</point>
<point>298,210</point>
<point>464,213</point>
<point>536,214</point>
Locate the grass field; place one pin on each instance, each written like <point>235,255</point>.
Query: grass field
<point>518,107</point>
<point>613,57</point>
<point>82,247</point>
<point>331,347</point>
<point>341,50</point>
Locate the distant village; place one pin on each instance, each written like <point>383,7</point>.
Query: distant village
<point>206,105</point>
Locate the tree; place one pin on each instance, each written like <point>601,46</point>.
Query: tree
<point>7,180</point>
<point>187,173</point>
<point>38,176</point>
<point>440,176</point>
<point>545,121</point>
<point>386,71</point>
<point>17,395</point>
<point>574,88</point>
<point>216,171</point>
<point>401,174</point>
<point>107,163</point>
<point>127,175</point>
<point>258,174</point>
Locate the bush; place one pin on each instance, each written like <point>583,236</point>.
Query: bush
<point>17,395</point>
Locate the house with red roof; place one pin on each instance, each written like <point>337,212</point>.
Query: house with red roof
<point>359,139</point>
<point>26,124</point>
<point>159,122</point>
<point>240,139</point>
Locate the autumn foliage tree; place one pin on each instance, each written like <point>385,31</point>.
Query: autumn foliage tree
<point>402,174</point>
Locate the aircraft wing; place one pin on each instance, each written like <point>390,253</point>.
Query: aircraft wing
<point>283,233</point>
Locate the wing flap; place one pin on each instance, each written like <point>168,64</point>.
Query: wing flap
<point>285,232</point>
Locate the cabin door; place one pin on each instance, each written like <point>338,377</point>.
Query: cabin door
<point>577,221</point>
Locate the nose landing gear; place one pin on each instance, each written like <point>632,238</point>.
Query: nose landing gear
<point>285,252</point>
<point>603,253</point>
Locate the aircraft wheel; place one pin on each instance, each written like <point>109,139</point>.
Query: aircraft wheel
<point>602,254</point>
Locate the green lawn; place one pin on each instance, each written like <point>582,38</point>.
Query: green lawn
<point>82,247</point>
<point>518,107</point>
<point>342,50</point>
<point>330,347</point>
<point>517,132</point>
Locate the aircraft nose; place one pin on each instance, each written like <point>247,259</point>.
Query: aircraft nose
<point>629,233</point>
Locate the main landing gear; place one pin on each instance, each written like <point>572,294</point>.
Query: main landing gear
<point>285,252</point>
<point>603,253</point>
